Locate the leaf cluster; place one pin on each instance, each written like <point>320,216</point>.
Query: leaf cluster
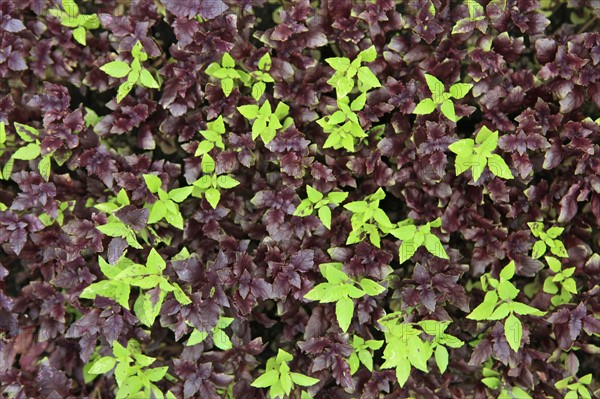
<point>213,137</point>
<point>575,389</point>
<point>562,278</point>
<point>121,228</point>
<point>368,219</point>
<point>362,353</point>
<point>261,77</point>
<point>210,184</point>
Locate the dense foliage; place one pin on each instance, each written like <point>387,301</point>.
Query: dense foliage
<point>327,199</point>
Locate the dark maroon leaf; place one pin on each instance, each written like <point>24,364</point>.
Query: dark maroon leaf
<point>205,8</point>
<point>134,218</point>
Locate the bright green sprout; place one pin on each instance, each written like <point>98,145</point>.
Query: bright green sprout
<point>227,73</point>
<point>362,353</point>
<point>499,304</point>
<point>29,152</point>
<point>261,77</point>
<point>208,185</point>
<point>341,289</point>
<point>71,18</point>
<point>440,97</point>
<point>134,379</point>
<point>136,74</point>
<point>475,155</point>
<point>414,237</point>
<point>547,240</point>
<point>279,379</point>
<point>575,389</point>
<point>560,278</point>
<point>166,207</point>
<point>345,72</point>
<point>266,122</point>
<point>406,348</point>
<point>126,274</point>
<point>213,137</point>
<point>368,219</point>
<point>316,200</point>
<point>493,380</point>
<point>343,125</point>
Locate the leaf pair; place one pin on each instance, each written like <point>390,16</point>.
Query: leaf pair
<point>442,98</point>
<point>135,73</point>
<point>316,200</point>
<point>266,122</point>
<point>477,157</point>
<point>340,289</point>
